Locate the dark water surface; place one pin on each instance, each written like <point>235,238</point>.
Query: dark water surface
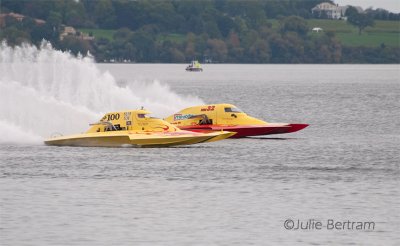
<point>343,168</point>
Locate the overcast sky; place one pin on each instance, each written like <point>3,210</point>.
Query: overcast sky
<point>391,5</point>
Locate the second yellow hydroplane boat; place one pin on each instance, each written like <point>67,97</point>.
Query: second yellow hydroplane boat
<point>227,117</point>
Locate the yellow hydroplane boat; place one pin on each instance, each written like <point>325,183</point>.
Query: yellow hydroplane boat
<point>135,128</point>
<point>227,117</point>
<point>194,66</point>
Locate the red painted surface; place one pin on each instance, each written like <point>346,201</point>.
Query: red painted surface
<point>248,130</point>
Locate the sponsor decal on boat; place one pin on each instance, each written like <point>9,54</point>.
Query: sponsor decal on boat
<point>182,116</point>
<point>208,108</point>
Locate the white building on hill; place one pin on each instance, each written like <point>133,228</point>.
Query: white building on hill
<point>331,11</point>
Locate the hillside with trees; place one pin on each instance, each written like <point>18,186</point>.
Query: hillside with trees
<point>226,31</point>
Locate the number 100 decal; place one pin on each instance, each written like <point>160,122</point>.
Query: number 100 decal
<point>113,117</point>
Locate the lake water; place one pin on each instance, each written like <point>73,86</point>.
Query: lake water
<point>343,168</point>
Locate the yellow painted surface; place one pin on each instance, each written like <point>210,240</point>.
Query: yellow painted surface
<point>219,114</point>
<point>136,128</point>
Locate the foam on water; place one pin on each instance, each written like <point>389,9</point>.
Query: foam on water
<point>45,90</point>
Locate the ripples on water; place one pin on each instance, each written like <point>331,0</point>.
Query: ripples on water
<point>232,192</point>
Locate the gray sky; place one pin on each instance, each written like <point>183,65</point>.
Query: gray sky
<point>391,5</point>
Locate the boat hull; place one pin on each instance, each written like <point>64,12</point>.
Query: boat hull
<point>194,69</point>
<point>116,139</point>
<point>249,130</point>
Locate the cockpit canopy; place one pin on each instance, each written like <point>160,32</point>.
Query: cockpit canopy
<point>233,110</point>
<point>142,113</point>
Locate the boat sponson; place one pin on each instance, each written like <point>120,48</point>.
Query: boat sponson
<point>117,139</point>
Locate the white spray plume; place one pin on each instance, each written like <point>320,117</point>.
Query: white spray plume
<point>45,90</point>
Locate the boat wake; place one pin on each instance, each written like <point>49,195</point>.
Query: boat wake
<point>43,90</point>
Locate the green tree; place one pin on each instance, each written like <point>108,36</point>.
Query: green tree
<point>74,14</point>
<point>170,52</point>
<point>351,11</point>
<point>123,34</point>
<point>104,14</point>
<point>54,20</point>
<point>190,48</point>
<point>40,32</point>
<point>53,23</point>
<point>14,36</point>
<point>218,49</point>
<point>260,51</point>
<point>361,21</point>
<point>212,29</point>
<point>145,46</point>
<point>225,25</point>
<point>75,45</point>
<point>28,24</point>
<point>294,24</point>
<point>194,24</point>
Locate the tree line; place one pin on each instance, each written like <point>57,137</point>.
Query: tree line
<point>234,31</point>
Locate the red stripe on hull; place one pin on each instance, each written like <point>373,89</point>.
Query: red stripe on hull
<point>247,131</point>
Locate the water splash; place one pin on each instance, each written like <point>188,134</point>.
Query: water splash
<point>43,90</point>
